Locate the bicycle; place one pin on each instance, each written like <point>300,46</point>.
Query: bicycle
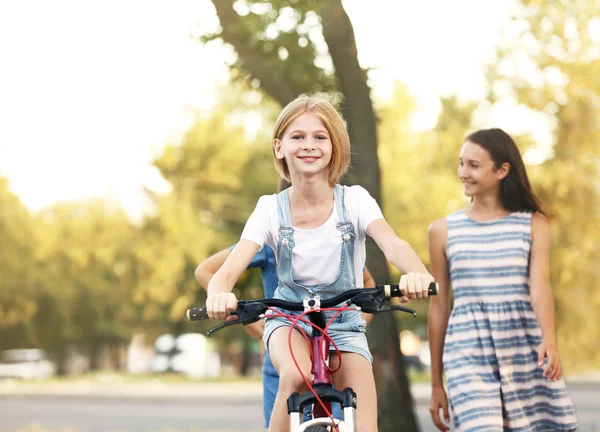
<point>321,391</point>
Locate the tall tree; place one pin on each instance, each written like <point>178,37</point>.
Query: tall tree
<point>293,46</point>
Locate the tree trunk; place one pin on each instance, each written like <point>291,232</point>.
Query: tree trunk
<point>393,390</point>
<point>253,62</point>
<point>61,359</point>
<point>95,352</point>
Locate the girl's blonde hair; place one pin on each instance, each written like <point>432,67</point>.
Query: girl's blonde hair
<point>319,105</point>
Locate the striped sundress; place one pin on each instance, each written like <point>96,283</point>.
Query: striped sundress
<point>491,347</point>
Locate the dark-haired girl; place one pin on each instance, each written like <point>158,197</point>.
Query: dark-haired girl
<point>498,345</point>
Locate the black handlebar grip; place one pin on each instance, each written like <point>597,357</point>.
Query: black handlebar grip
<point>197,314</point>
<point>434,289</point>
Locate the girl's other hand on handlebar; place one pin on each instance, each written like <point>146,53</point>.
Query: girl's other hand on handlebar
<point>415,285</point>
<point>219,306</point>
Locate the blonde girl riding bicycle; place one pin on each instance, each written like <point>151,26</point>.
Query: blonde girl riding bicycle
<point>317,229</point>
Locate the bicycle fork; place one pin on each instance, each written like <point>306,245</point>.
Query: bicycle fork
<point>323,387</point>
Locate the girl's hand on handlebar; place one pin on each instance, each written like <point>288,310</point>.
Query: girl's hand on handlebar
<point>415,285</point>
<point>219,306</point>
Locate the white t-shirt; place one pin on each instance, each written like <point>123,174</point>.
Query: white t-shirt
<point>317,252</point>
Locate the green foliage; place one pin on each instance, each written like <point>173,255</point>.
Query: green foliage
<point>18,266</point>
<point>61,272</point>
<point>285,35</point>
<point>555,45</point>
<point>85,249</point>
<point>419,168</point>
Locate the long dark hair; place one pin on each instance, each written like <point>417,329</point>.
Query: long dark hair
<point>515,190</point>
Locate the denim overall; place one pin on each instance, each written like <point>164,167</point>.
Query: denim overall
<point>347,331</point>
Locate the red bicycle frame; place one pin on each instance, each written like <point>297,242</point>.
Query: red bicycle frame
<point>321,392</point>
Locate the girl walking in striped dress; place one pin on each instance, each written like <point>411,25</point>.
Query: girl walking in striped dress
<point>498,345</point>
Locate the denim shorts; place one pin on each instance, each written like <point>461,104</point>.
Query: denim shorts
<point>270,380</point>
<point>347,331</point>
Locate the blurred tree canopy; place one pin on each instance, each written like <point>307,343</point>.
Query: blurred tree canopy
<point>552,66</point>
<point>18,266</point>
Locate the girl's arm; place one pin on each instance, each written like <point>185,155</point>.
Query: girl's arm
<point>439,306</point>
<point>437,318</point>
<point>541,294</point>
<point>220,299</point>
<point>396,250</point>
<point>207,268</point>
<point>205,272</point>
<point>368,281</point>
<point>416,278</point>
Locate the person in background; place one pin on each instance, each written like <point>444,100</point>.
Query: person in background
<point>498,345</point>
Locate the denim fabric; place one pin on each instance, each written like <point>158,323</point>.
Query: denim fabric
<point>347,331</point>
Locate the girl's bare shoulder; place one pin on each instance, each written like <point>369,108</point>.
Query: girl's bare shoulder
<point>438,227</point>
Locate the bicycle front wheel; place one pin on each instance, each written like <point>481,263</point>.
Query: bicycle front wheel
<point>323,424</point>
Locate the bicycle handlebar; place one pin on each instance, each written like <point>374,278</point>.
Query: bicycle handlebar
<point>368,299</point>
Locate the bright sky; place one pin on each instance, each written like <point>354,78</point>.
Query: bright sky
<point>90,90</point>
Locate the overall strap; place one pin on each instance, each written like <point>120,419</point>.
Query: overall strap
<point>338,195</point>
<point>283,209</point>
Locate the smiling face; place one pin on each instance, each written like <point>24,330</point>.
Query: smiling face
<point>306,147</point>
<point>320,129</point>
<point>478,172</point>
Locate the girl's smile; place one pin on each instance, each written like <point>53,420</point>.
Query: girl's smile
<point>308,159</point>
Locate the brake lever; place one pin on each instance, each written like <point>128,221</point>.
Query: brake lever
<point>247,313</point>
<point>399,308</point>
<point>222,326</point>
<point>370,303</point>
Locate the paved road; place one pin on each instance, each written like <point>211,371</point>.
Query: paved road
<point>112,414</point>
<point>108,415</point>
